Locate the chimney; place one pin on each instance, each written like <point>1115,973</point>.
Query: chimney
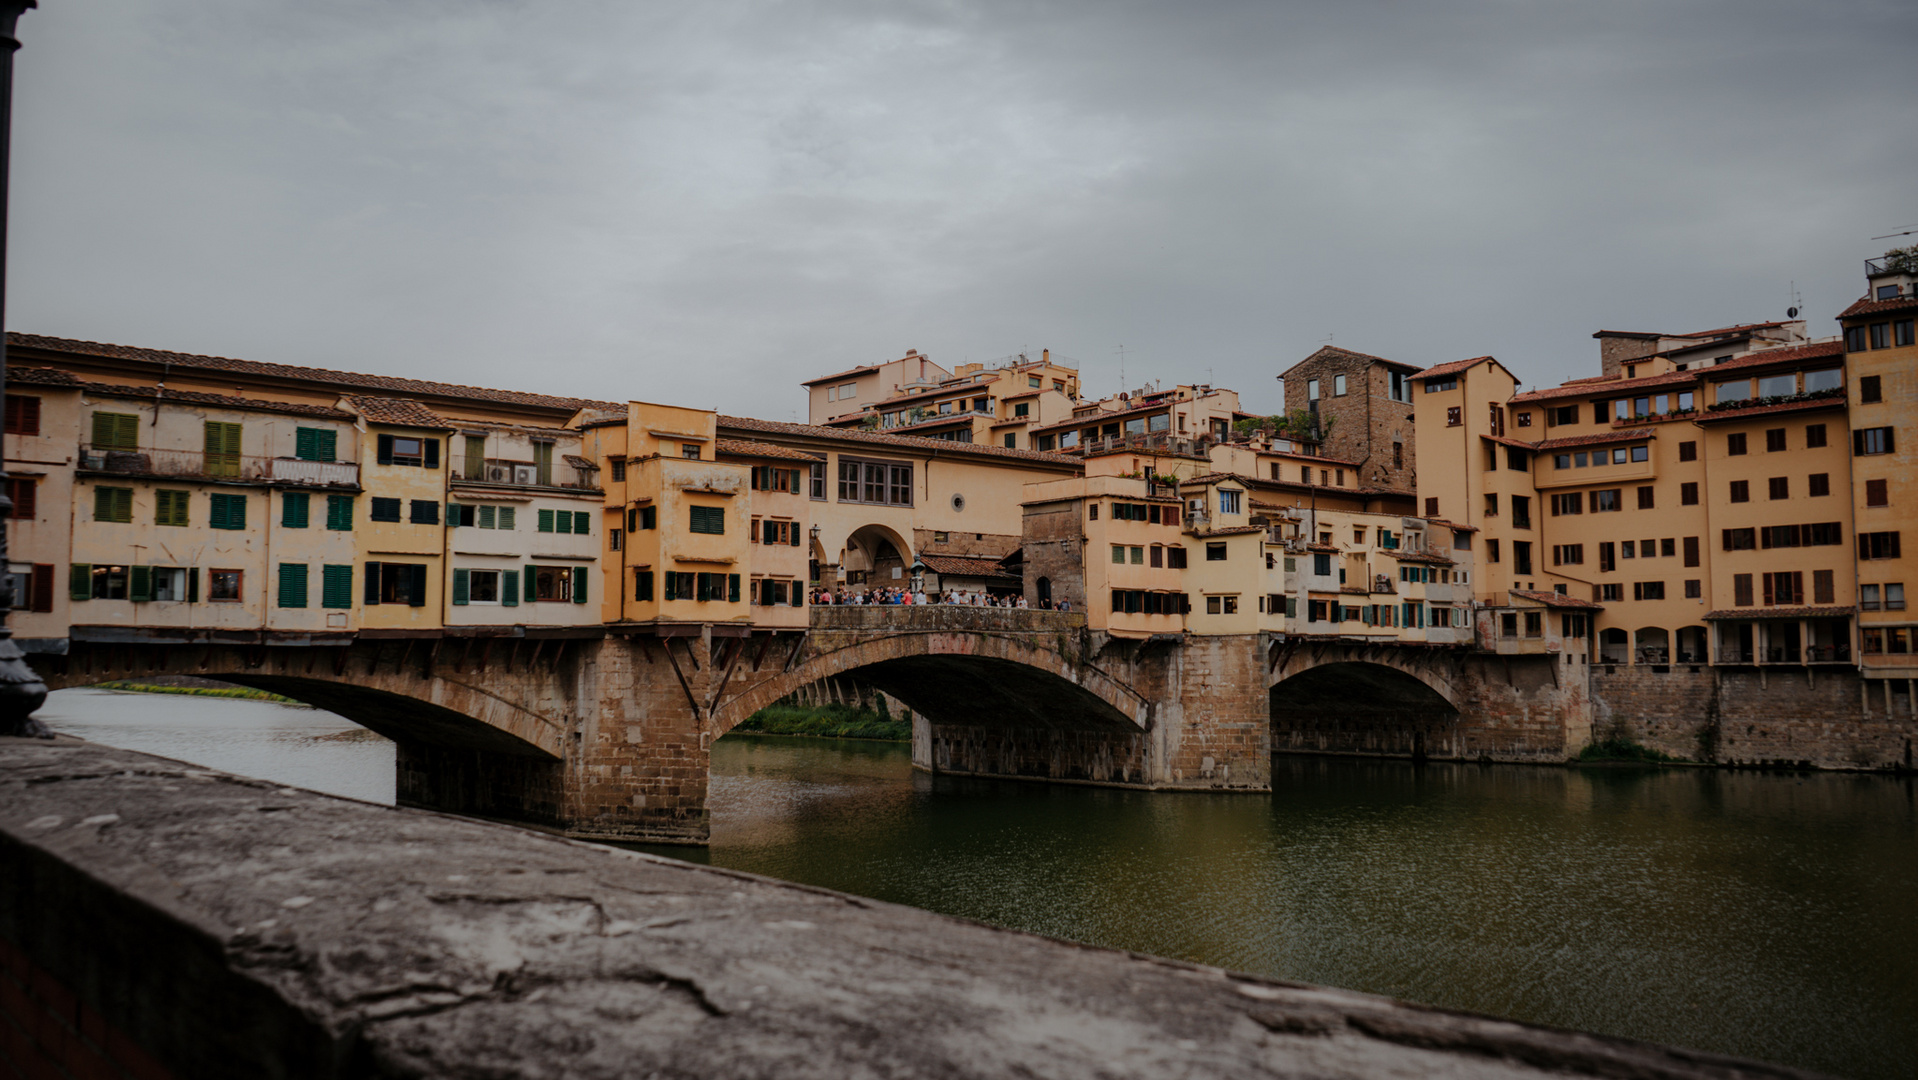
<point>1045,357</point>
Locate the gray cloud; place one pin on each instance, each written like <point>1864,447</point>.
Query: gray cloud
<point>706,204</point>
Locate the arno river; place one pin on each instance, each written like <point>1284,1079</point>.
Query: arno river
<point>1768,915</point>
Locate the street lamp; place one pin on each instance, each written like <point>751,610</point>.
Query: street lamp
<point>918,574</point>
<point>21,691</point>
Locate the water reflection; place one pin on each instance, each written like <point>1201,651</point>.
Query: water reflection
<point>1759,914</point>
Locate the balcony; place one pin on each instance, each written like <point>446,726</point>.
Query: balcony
<point>522,474</point>
<point>234,468</point>
<point>1162,441</point>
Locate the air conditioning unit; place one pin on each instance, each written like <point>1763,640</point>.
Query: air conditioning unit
<point>500,474</point>
<point>525,474</point>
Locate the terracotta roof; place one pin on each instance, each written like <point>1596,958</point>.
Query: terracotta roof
<point>1420,557</point>
<point>42,376</point>
<point>743,448</point>
<point>1836,401</point>
<point>1607,384</point>
<point>1641,335</point>
<point>310,374</point>
<point>1323,548</point>
<point>1033,392</point>
<point>578,462</point>
<point>224,401</point>
<point>972,382</point>
<point>777,427</point>
<point>397,412</point>
<point>964,566</point>
<point>1617,435</point>
<point>1230,530</point>
<point>1450,368</point>
<point>844,374</point>
<point>1517,444</point>
<point>1782,613</point>
<point>1557,600</point>
<point>1816,351</point>
<point>1867,306</point>
<point>1453,525</point>
<point>1333,352</point>
<point>1727,331</point>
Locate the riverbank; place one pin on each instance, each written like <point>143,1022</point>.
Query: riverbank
<point>239,692</point>
<point>827,721</point>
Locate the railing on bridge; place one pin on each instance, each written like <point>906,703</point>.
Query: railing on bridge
<point>921,618</point>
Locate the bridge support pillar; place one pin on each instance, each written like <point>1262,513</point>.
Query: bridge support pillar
<point>637,754</point>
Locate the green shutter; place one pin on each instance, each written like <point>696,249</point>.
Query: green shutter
<point>303,443</point>
<point>580,526</point>
<point>579,584</point>
<point>294,507</point>
<point>488,517</point>
<point>116,431</point>
<point>141,587</point>
<point>170,507</point>
<point>222,448</point>
<point>732,588</point>
<point>532,585</point>
<point>227,511</point>
<point>545,521</point>
<point>80,579</point>
<point>462,587</point>
<point>543,463</point>
<point>339,513</point>
<point>506,518</point>
<point>562,521</point>
<point>292,585</point>
<point>509,588</point>
<point>315,444</point>
<point>102,502</point>
<point>670,581</point>
<point>336,586</point>
<point>475,457</point>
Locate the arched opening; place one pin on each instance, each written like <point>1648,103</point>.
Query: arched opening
<point>1044,587</point>
<point>1691,644</point>
<point>1652,645</point>
<point>875,555</point>
<point>1614,646</point>
<point>1356,707</point>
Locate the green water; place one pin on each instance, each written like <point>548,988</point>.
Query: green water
<point>1772,916</point>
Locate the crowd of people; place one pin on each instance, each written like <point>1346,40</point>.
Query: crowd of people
<point>962,597</point>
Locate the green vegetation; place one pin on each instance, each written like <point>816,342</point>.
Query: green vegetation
<point>1621,748</point>
<point>195,691</point>
<point>828,721</point>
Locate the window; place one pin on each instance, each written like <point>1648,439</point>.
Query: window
<point>1868,597</point>
<point>395,583</point>
<point>1814,435</point>
<point>707,519</point>
<point>1691,551</point>
<point>294,506</point>
<point>1870,390</point>
<point>1741,491</point>
<point>1784,588</point>
<point>1118,553</point>
<point>1175,558</point>
<point>689,451</point>
<point>169,507</point>
<point>424,512</point>
<point>1607,501</point>
<point>881,483</point>
<point>1522,419</point>
<point>339,513</point>
<point>1491,550</point>
<point>1854,339</point>
<point>1215,552</point>
<point>1688,451</point>
<point>1901,332</point>
<point>618,469</point>
<point>1821,587</point>
<point>1694,588</point>
<point>225,586</point>
<point>1454,414</point>
<point>227,512</point>
<point>1878,545</point>
<point>1521,556</point>
<point>292,590</point>
<point>1741,590</point>
<point>1521,512</point>
<point>1491,504</point>
<point>1894,594</point>
<point>23,415</point>
<point>1568,554</point>
<point>316,444</point>
<point>1338,386</point>
<point>336,586</point>
<point>1740,539</point>
<point>1229,501</point>
<point>1868,441</point>
<point>1648,590</point>
<point>1517,460</point>
<point>1311,389</point>
<point>116,431</point>
<point>1818,484</point>
<point>384,510</point>
<point>1564,505</point>
<point>1824,534</point>
<point>1562,415</point>
<point>1646,498</point>
<point>1876,493</point>
<point>1778,487</point>
<point>1735,443</point>
<point>1439,386</point>
<point>1431,506</point>
<point>817,490</point>
<point>459,516</point>
<point>1774,440</point>
<point>409,451</point>
<point>1880,335</point>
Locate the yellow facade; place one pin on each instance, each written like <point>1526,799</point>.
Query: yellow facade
<point>1881,359</point>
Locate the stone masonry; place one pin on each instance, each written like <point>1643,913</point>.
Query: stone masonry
<point>1363,425</point>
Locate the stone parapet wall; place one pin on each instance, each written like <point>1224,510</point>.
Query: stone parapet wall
<point>1818,717</point>
<point>195,924</point>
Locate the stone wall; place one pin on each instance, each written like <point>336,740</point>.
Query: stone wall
<point>1054,550</point>
<point>1364,422</point>
<point>160,921</point>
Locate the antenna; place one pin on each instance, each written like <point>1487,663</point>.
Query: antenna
<point>1796,302</point>
<point>1909,230</point>
<point>1121,351</point>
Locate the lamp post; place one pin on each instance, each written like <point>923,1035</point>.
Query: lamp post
<point>21,691</point>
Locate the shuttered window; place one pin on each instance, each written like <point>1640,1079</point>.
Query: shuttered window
<point>292,585</point>
<point>24,493</point>
<point>579,582</point>
<point>475,457</point>
<point>546,520</point>
<point>294,509</point>
<point>222,449</point>
<point>227,511</point>
<point>116,431</point>
<point>336,586</point>
<point>113,504</point>
<point>23,415</point>
<point>316,444</point>
<point>462,587</point>
<point>339,513</point>
<point>506,518</point>
<point>171,507</point>
<point>708,519</point>
<point>543,463</point>
<point>509,588</point>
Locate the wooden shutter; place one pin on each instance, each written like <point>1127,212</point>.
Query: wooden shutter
<point>488,516</point>
<point>371,593</point>
<point>532,584</point>
<point>543,463</point>
<point>336,586</point>
<point>26,500</point>
<point>339,513</point>
<point>103,504</point>
<point>732,588</point>
<point>581,526</point>
<point>579,584</point>
<point>292,585</point>
<point>417,596</point>
<point>222,448</point>
<point>294,509</point>
<point>475,457</point>
<point>506,518</point>
<point>545,521</point>
<point>509,588</point>
<point>140,588</point>
<point>303,443</point>
<point>80,581</point>
<point>1691,551</point>
<point>670,581</point>
<point>385,450</point>
<point>432,453</point>
<point>192,584</point>
<point>42,585</point>
<point>23,415</point>
<point>462,587</point>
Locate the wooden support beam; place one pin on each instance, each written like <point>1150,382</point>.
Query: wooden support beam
<point>764,644</point>
<point>685,686</point>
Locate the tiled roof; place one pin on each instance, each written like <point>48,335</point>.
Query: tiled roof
<point>1324,548</point>
<point>1333,352</point>
<point>1557,600</point>
<point>1815,351</point>
<point>1617,435</point>
<point>578,462</point>
<point>844,374</point>
<point>1105,417</point>
<point>1727,331</point>
<point>1450,368</point>
<point>223,401</point>
<point>1517,444</point>
<point>1420,557</point>
<point>1837,401</point>
<point>397,412</point>
<point>1782,613</point>
<point>964,566</point>
<point>1230,530</point>
<point>973,382</point>
<point>1453,525</point>
<point>778,427</point>
<point>42,376</point>
<point>1033,392</point>
<point>1607,384</point>
<point>326,376</point>
<point>1866,307</point>
<point>743,448</point>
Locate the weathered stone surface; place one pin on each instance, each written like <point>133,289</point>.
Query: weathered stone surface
<point>236,928</point>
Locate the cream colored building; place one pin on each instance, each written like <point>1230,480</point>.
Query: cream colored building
<point>850,392</point>
<point>1881,358</point>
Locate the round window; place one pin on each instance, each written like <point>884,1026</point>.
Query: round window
<point>958,502</point>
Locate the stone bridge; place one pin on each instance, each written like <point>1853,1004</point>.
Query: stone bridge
<point>606,732</point>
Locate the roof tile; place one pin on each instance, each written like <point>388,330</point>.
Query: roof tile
<point>396,412</point>
<point>745,448</point>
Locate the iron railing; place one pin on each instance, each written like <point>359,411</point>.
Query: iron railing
<point>206,465</point>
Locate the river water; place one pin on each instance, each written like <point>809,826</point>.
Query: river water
<point>1769,915</point>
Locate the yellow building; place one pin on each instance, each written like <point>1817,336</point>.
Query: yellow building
<point>1112,543</point>
<point>1881,358</point>
<point>778,530</point>
<point>402,540</point>
<point>686,551</point>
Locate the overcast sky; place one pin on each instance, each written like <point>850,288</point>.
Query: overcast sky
<point>705,203</point>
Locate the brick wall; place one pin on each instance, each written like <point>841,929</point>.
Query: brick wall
<point>1750,716</point>
<point>1365,422</point>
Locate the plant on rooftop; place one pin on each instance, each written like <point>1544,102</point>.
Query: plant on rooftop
<point>1902,260</point>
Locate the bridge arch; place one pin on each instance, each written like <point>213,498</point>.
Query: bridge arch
<point>1343,699</point>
